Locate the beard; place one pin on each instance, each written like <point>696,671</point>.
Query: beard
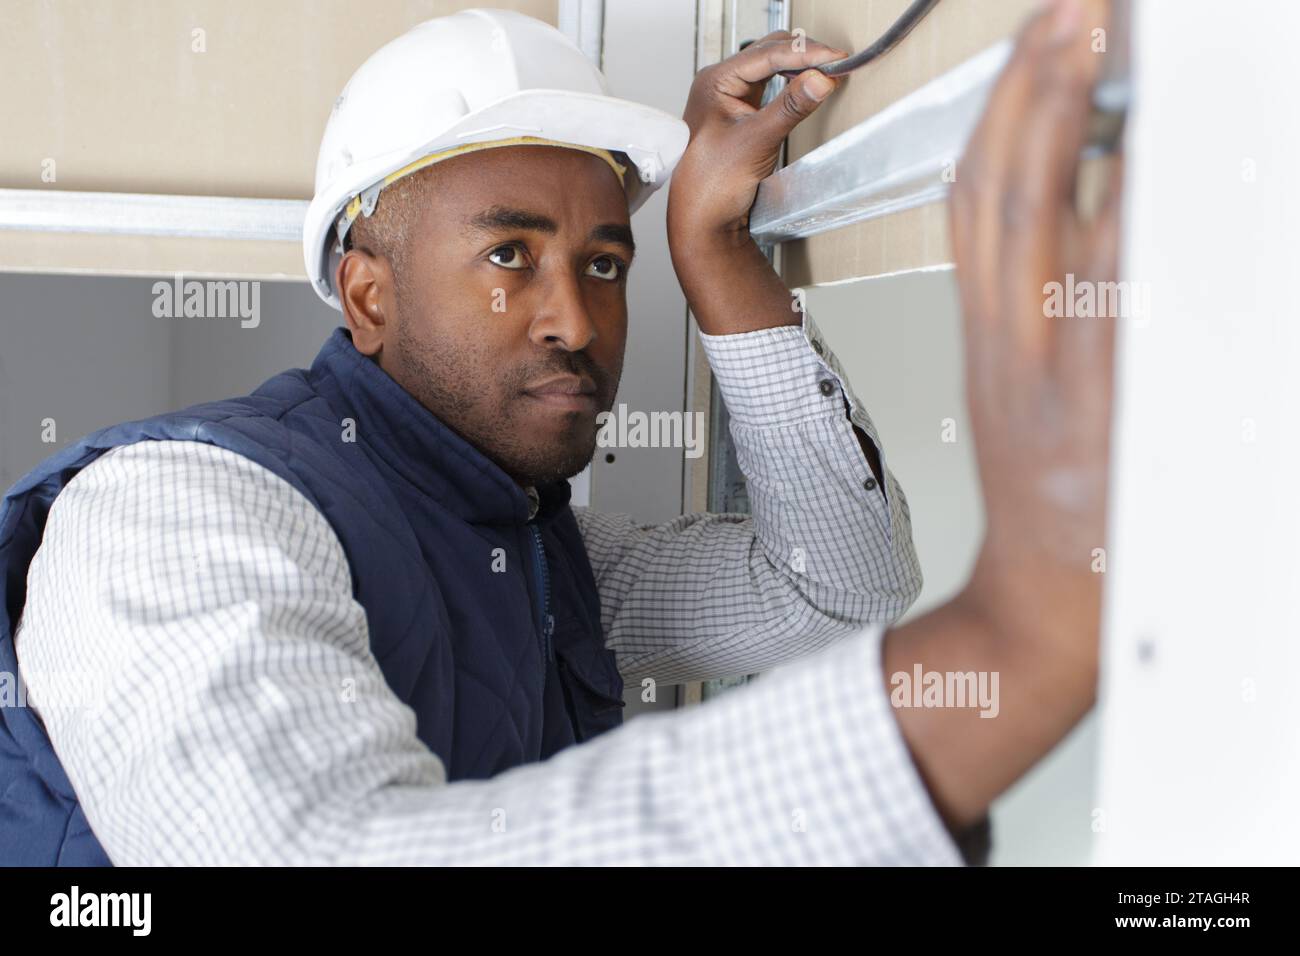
<point>466,388</point>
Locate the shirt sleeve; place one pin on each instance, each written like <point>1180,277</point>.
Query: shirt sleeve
<point>239,717</point>
<point>826,551</point>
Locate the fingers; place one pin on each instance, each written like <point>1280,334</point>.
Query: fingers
<point>1044,237</point>
<point>801,96</point>
<point>1085,346</point>
<point>763,59</point>
<point>1040,194</point>
<point>978,225</point>
<point>1065,69</point>
<point>1103,235</point>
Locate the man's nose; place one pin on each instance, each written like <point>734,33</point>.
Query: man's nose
<point>562,318</point>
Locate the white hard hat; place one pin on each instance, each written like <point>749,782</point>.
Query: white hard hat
<point>475,77</point>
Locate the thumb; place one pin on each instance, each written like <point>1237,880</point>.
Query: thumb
<point>796,102</point>
<point>1104,232</point>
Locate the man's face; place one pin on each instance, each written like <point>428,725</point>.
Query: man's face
<point>511,320</point>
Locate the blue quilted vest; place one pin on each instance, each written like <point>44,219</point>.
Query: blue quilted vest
<point>486,623</point>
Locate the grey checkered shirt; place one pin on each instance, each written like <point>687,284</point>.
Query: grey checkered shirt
<point>190,630</point>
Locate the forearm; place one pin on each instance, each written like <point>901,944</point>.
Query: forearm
<point>729,284</point>
<point>699,598</point>
<point>1029,635</point>
<point>804,767</point>
<point>731,287</point>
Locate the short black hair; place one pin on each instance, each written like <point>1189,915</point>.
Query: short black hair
<point>387,230</point>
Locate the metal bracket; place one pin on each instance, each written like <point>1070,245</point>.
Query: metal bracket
<point>370,198</point>
<point>210,217</point>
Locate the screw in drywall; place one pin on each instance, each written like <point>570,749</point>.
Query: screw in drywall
<point>1146,650</point>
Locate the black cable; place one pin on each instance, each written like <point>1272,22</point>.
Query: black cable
<point>888,40</point>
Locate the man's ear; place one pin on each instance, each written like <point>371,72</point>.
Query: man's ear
<point>367,295</point>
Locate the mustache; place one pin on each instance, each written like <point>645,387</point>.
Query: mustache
<point>567,363</point>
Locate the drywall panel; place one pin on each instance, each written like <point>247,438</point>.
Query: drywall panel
<point>128,97</point>
<point>80,253</point>
<point>1200,739</point>
<point>78,354</point>
<point>951,32</point>
<point>198,97</point>
<point>217,358</point>
<point>648,482</point>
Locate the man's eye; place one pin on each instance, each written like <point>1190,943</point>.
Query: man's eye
<point>605,267</point>
<point>511,257</point>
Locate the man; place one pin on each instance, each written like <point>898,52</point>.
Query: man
<point>349,618</point>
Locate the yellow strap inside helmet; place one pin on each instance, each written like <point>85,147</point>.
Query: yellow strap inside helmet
<point>353,208</point>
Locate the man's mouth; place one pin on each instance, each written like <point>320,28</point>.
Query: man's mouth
<point>565,393</point>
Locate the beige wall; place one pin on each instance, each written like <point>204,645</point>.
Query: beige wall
<point>953,31</point>
<point>117,97</point>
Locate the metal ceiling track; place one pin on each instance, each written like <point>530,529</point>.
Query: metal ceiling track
<point>110,213</point>
<point>906,155</point>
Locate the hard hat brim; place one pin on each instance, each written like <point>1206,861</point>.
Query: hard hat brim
<point>653,140</point>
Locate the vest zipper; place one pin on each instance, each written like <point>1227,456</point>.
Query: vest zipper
<point>544,589</point>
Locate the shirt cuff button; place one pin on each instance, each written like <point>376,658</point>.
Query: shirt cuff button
<point>869,484</point>
<point>826,386</point>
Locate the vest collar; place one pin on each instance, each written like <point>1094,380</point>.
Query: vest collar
<point>411,441</point>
